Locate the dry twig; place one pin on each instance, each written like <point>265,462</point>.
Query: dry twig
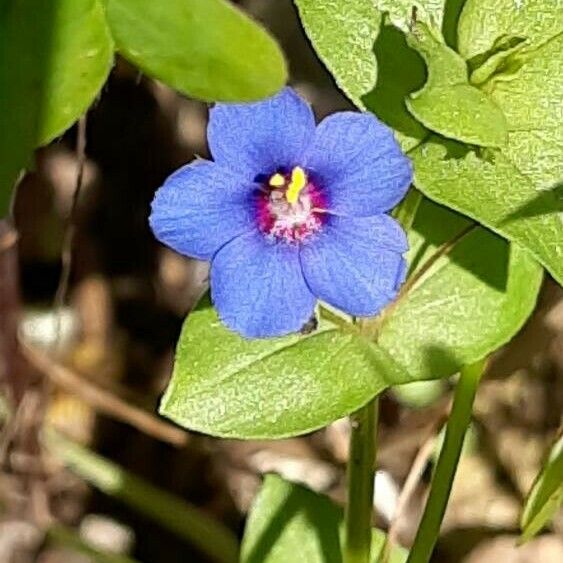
<point>101,400</point>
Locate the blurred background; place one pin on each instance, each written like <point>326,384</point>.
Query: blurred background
<point>97,344</point>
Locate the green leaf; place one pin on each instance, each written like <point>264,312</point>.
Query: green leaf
<point>51,69</point>
<point>207,49</point>
<point>516,191</point>
<point>531,101</point>
<point>447,103</point>
<point>470,302</point>
<point>227,386</point>
<point>499,59</point>
<point>438,14</point>
<point>482,22</point>
<point>546,495</point>
<point>343,35</point>
<point>289,522</point>
<point>401,12</point>
<point>80,60</point>
<point>467,304</point>
<point>22,39</point>
<point>492,190</point>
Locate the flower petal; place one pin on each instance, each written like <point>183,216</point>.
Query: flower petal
<point>358,162</point>
<point>258,288</point>
<point>200,208</point>
<point>258,138</point>
<point>356,264</point>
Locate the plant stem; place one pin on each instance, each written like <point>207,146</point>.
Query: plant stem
<point>405,212</point>
<point>361,473</point>
<point>216,541</point>
<point>444,474</point>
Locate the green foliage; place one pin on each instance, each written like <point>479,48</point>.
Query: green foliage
<point>228,386</point>
<point>291,523</point>
<point>515,191</point>
<point>51,69</point>
<point>467,304</point>
<point>482,22</point>
<point>511,102</point>
<point>471,301</point>
<point>546,495</point>
<point>448,104</point>
<point>79,61</point>
<point>206,49</point>
<point>492,190</point>
<point>344,34</point>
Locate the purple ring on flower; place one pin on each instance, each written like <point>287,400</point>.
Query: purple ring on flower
<point>289,212</point>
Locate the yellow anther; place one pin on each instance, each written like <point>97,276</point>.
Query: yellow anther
<point>297,183</point>
<point>276,181</point>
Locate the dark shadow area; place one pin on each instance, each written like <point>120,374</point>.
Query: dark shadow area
<point>400,71</point>
<point>284,514</point>
<point>545,203</point>
<point>452,11</point>
<point>321,514</point>
<point>441,362</point>
<point>481,252</point>
<point>26,29</point>
<point>461,541</point>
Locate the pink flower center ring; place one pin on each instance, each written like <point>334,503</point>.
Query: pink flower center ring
<point>290,207</point>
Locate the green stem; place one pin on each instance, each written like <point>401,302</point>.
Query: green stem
<point>444,474</point>
<point>361,473</point>
<point>186,521</point>
<point>405,212</point>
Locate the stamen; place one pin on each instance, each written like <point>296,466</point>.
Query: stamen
<point>297,183</point>
<point>276,181</point>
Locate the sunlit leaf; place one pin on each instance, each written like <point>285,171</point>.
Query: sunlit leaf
<point>77,65</point>
<point>447,103</point>
<point>515,191</point>
<point>471,301</point>
<point>228,386</point>
<point>482,22</point>
<point>343,35</point>
<point>207,49</point>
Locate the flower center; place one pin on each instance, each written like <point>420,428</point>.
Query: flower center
<point>290,207</point>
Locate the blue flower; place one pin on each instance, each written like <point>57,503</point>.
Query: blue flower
<point>289,212</point>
